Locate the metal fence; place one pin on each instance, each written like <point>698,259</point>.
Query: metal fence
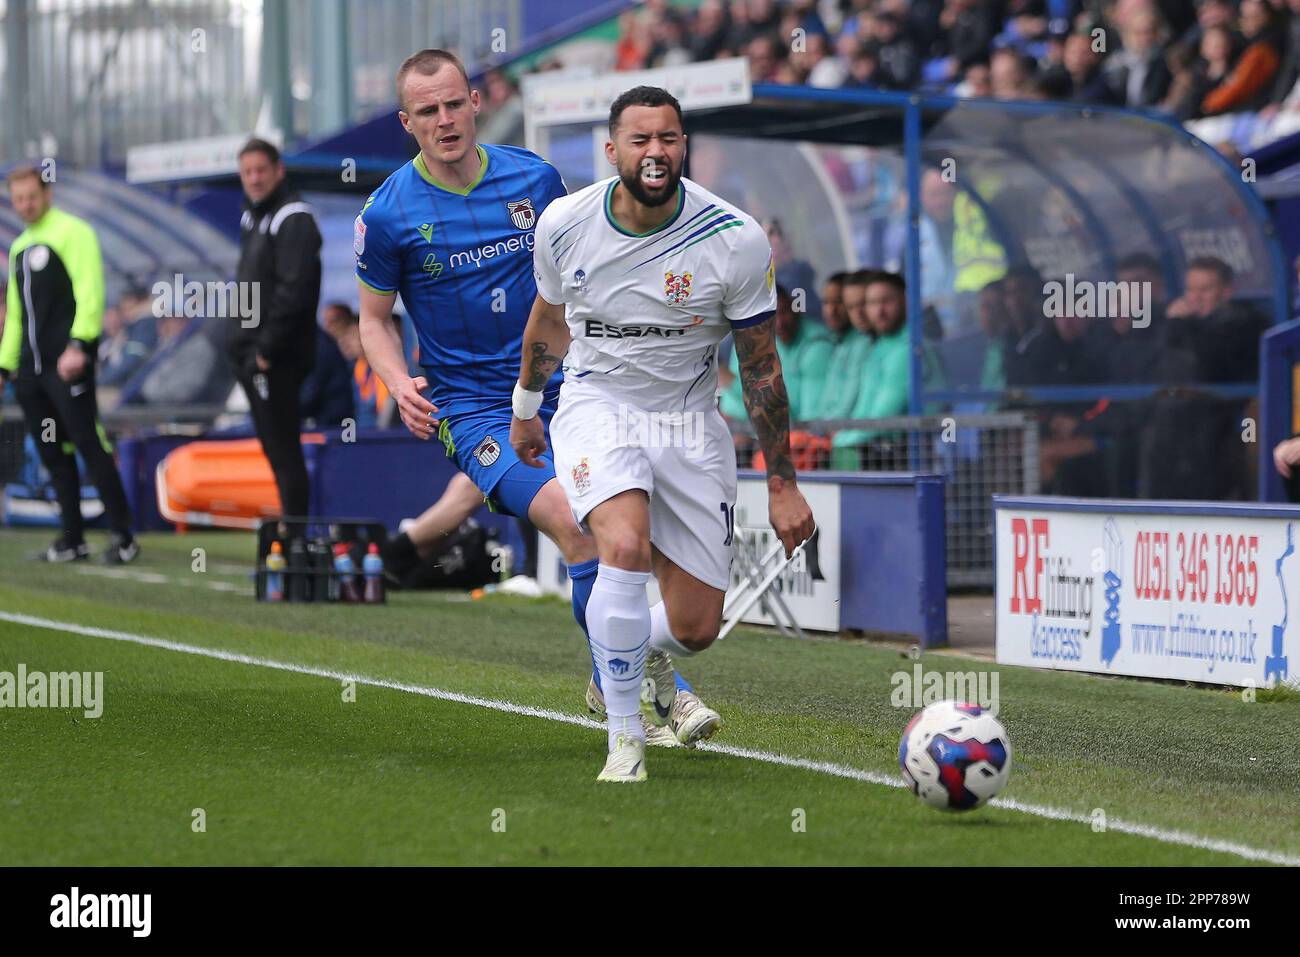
<point>84,80</point>
<point>977,454</point>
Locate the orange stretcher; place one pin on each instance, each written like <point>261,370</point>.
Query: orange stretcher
<point>224,484</point>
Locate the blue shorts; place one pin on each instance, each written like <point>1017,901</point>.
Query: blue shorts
<point>479,444</point>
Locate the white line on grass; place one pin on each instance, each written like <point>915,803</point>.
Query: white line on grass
<point>767,757</point>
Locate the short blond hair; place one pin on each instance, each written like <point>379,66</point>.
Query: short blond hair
<point>427,63</point>
<point>20,173</point>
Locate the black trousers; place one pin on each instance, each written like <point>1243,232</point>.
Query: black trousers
<point>273,402</point>
<point>62,418</point>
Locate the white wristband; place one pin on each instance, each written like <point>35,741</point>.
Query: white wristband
<point>525,402</point>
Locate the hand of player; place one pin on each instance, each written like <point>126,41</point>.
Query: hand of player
<point>71,364</point>
<point>789,515</point>
<point>418,414</point>
<point>528,439</point>
<point>1285,455</point>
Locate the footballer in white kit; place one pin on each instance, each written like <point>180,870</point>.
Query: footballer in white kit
<point>639,279</point>
<point>647,313</point>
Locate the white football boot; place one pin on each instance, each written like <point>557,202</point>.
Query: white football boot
<point>656,735</point>
<point>626,762</point>
<point>660,686</point>
<point>691,721</point>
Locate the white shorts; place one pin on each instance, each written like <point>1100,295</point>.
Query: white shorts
<point>685,462</point>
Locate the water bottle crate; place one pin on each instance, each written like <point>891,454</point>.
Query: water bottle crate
<point>311,552</point>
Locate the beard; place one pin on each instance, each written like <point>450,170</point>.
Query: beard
<point>632,183</point>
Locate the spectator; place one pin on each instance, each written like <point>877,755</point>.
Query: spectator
<point>1208,338</point>
<point>900,66</point>
<point>863,70</point>
<point>326,397</point>
<point>1138,74</point>
<point>1087,82</point>
<point>668,44</point>
<point>976,81</point>
<point>764,16</point>
<point>1025,30</point>
<point>1053,353</point>
<point>1010,75</point>
<point>967,28</point>
<point>1211,338</point>
<point>709,34</point>
<point>1134,355</point>
<point>805,352</point>
<point>886,377</point>
<point>794,274</point>
<point>279,254</point>
<point>1288,72</point>
<point>370,399</point>
<point>130,337</point>
<point>632,50</point>
<point>739,31</point>
<point>766,54</point>
<point>819,68</point>
<point>183,368</point>
<point>844,312</point>
<point>1248,84</point>
<point>1286,458</point>
<point>502,116</point>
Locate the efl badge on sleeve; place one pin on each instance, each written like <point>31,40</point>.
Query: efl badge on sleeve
<point>771,272</point>
<point>358,236</point>
<point>677,289</point>
<point>522,213</point>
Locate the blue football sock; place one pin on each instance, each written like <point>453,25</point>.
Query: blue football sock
<point>583,577</point>
<point>682,683</point>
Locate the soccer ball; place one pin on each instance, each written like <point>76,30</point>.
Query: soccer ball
<point>955,756</point>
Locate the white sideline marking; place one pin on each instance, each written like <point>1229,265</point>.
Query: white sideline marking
<point>768,757</point>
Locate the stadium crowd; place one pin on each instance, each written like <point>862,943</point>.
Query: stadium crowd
<point>1189,60</point>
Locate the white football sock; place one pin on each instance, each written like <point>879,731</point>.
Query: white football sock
<point>661,636</point>
<point>618,621</point>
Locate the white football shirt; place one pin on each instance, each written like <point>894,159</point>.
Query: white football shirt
<point>648,311</point>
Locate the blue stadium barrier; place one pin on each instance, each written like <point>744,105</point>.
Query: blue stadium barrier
<point>1279,352</point>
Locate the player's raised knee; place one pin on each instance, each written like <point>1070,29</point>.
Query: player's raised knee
<point>696,634</point>
<point>624,549</point>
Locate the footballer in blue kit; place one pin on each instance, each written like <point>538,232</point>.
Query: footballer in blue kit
<point>452,232</point>
<point>462,261</point>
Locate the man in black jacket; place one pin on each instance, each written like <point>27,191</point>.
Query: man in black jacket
<point>279,253</point>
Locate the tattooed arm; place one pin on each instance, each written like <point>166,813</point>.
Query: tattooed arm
<point>546,340</point>
<point>768,406</point>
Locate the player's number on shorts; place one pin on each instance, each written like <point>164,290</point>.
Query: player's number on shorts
<point>728,519</point>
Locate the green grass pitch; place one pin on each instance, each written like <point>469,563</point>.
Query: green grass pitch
<point>281,768</point>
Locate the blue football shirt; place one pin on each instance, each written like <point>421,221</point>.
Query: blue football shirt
<point>462,261</point>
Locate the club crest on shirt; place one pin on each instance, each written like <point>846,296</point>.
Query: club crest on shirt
<point>582,477</point>
<point>487,451</point>
<point>677,289</point>
<point>522,213</point>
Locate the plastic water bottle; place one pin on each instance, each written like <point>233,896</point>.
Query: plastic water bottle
<point>275,565</point>
<point>347,573</point>
<point>372,566</point>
